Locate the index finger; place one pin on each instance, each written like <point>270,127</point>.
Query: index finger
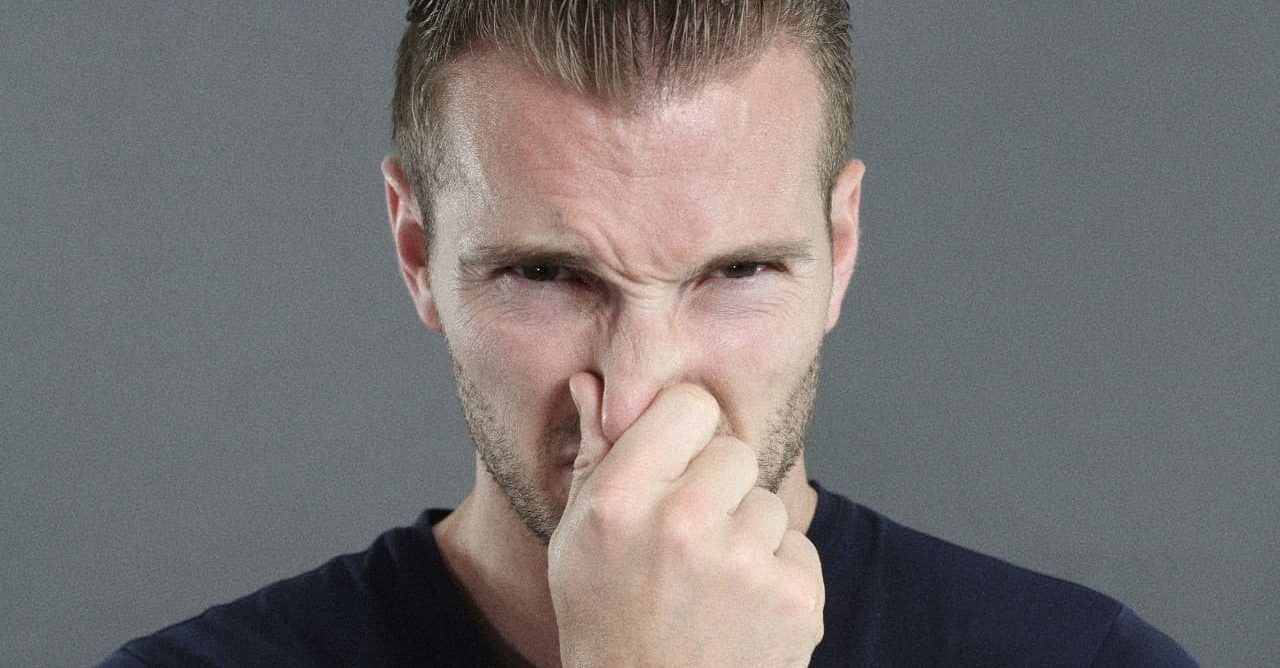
<point>659,445</point>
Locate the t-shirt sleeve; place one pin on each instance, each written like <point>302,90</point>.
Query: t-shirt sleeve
<point>1133,643</point>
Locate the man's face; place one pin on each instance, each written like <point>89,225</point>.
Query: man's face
<point>684,244</point>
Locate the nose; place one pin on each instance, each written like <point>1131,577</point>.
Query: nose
<point>640,355</point>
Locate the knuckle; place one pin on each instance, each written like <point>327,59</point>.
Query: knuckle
<point>742,559</point>
<point>737,458</point>
<point>806,585</point>
<point>738,449</point>
<point>679,532</point>
<point>799,600</point>
<point>804,550</point>
<point>746,461</point>
<point>766,504</point>
<point>683,520</point>
<point>691,502</point>
<point>608,510</point>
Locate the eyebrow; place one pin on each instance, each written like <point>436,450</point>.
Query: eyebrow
<point>779,252</point>
<point>499,255</point>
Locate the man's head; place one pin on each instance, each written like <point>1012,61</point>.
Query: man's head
<point>645,194</point>
<point>629,54</point>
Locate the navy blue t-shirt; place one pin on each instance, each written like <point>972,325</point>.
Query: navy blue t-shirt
<point>895,597</point>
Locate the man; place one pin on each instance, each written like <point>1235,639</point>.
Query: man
<point>633,225</point>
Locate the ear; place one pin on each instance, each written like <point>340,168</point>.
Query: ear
<point>410,240</point>
<point>845,196</point>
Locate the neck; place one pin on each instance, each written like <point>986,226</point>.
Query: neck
<point>502,566</point>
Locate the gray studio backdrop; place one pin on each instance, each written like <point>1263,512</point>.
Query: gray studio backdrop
<point>1060,345</point>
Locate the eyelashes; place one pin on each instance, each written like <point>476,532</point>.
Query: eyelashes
<point>548,272</point>
<point>744,269</point>
<point>539,272</point>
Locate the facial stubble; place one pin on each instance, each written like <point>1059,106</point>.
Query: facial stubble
<point>525,484</point>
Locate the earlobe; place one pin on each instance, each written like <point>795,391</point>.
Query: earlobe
<point>845,198</point>
<point>410,240</point>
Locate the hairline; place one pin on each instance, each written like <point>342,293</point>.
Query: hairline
<point>427,181</point>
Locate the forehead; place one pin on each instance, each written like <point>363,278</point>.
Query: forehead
<point>741,148</point>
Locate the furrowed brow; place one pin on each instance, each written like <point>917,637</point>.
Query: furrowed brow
<point>502,255</point>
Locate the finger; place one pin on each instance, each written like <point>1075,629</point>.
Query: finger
<point>675,427</point>
<point>721,474</point>
<point>799,556</point>
<point>763,517</point>
<point>585,388</point>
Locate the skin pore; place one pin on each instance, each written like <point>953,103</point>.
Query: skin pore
<point>686,244</point>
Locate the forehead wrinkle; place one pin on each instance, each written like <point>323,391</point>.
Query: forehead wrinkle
<point>618,255</point>
<point>614,187</point>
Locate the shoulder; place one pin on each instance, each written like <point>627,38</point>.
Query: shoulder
<point>336,614</point>
<point>921,600</point>
<point>1133,642</point>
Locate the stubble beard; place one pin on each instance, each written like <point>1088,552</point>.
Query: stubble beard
<point>527,485</point>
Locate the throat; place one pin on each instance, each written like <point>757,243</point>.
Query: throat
<point>501,570</point>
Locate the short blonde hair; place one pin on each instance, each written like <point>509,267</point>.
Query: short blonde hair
<point>625,52</point>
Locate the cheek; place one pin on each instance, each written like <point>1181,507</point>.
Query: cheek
<point>762,325</point>
<point>507,333</point>
<point>522,362</point>
<point>752,363</point>
<point>759,353</point>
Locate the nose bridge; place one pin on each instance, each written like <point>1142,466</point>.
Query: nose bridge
<point>641,354</point>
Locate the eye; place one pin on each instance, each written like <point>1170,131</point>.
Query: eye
<point>540,273</point>
<point>743,269</point>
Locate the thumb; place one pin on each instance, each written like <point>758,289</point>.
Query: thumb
<point>585,388</point>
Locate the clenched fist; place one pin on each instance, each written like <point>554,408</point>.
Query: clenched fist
<point>667,554</point>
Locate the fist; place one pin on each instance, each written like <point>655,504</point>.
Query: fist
<point>667,554</point>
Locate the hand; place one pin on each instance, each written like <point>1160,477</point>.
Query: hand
<point>667,554</point>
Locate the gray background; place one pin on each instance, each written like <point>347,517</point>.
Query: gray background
<point>1060,345</point>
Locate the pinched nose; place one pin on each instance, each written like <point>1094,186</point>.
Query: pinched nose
<point>624,401</point>
<point>642,355</point>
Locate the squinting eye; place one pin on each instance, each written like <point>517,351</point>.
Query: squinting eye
<point>743,269</point>
<point>538,272</point>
